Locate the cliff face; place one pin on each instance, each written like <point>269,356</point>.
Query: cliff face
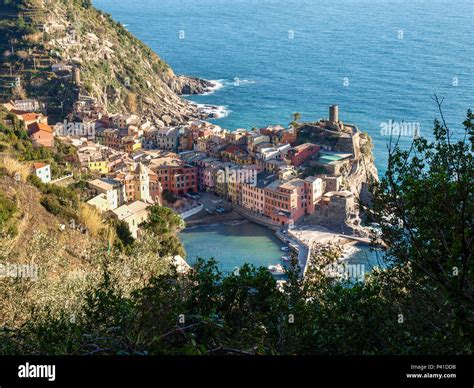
<point>360,170</point>
<point>113,66</point>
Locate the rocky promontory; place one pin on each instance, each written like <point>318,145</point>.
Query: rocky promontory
<point>184,85</point>
<point>56,51</point>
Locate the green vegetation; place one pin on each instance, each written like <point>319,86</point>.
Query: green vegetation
<point>314,171</point>
<point>164,224</point>
<point>17,141</point>
<point>8,209</point>
<point>296,118</point>
<point>125,238</point>
<point>169,197</point>
<point>163,220</point>
<point>60,201</point>
<point>124,73</point>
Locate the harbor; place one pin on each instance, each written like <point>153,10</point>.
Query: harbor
<point>233,240</point>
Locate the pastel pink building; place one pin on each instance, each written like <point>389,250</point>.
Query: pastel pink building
<point>253,198</point>
<point>289,201</point>
<point>300,154</point>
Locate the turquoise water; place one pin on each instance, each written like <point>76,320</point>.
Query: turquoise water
<point>367,257</point>
<point>378,59</point>
<point>232,245</point>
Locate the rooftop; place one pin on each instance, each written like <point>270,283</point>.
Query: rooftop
<point>104,183</point>
<point>37,166</point>
<point>126,211</point>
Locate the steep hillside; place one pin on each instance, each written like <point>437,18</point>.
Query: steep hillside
<point>113,66</point>
<point>48,236</point>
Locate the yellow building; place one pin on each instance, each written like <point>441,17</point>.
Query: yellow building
<point>101,166</point>
<point>132,146</point>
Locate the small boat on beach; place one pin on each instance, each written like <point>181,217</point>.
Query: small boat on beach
<point>295,247</point>
<point>276,269</point>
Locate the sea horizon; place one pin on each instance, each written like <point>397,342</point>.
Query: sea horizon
<point>381,62</point>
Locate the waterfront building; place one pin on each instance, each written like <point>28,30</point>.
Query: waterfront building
<point>175,176</point>
<point>253,195</point>
<point>287,202</point>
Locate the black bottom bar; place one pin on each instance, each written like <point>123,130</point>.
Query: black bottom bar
<point>427,371</point>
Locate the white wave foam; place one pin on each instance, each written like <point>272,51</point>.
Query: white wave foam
<point>216,85</point>
<point>243,81</point>
<point>349,251</point>
<point>214,111</point>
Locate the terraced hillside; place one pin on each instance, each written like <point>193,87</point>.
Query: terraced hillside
<point>111,65</point>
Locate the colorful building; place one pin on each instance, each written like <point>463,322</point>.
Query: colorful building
<point>41,134</point>
<point>178,180</point>
<point>300,154</point>
<point>100,166</point>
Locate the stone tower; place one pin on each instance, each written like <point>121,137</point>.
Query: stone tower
<point>142,183</point>
<point>334,114</point>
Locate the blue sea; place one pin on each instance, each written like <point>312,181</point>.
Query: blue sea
<point>379,60</point>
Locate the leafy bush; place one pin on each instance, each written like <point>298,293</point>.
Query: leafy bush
<point>8,209</point>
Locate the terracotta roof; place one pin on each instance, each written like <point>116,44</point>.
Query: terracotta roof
<point>37,166</point>
<point>30,116</point>
<point>37,127</point>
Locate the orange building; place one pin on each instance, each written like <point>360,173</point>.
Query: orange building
<point>178,180</point>
<point>41,134</point>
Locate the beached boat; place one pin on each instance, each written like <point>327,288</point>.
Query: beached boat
<point>276,269</point>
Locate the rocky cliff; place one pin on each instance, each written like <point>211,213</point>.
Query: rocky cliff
<point>102,59</point>
<point>362,170</point>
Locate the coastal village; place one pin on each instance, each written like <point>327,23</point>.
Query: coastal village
<point>302,180</point>
<point>268,175</point>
